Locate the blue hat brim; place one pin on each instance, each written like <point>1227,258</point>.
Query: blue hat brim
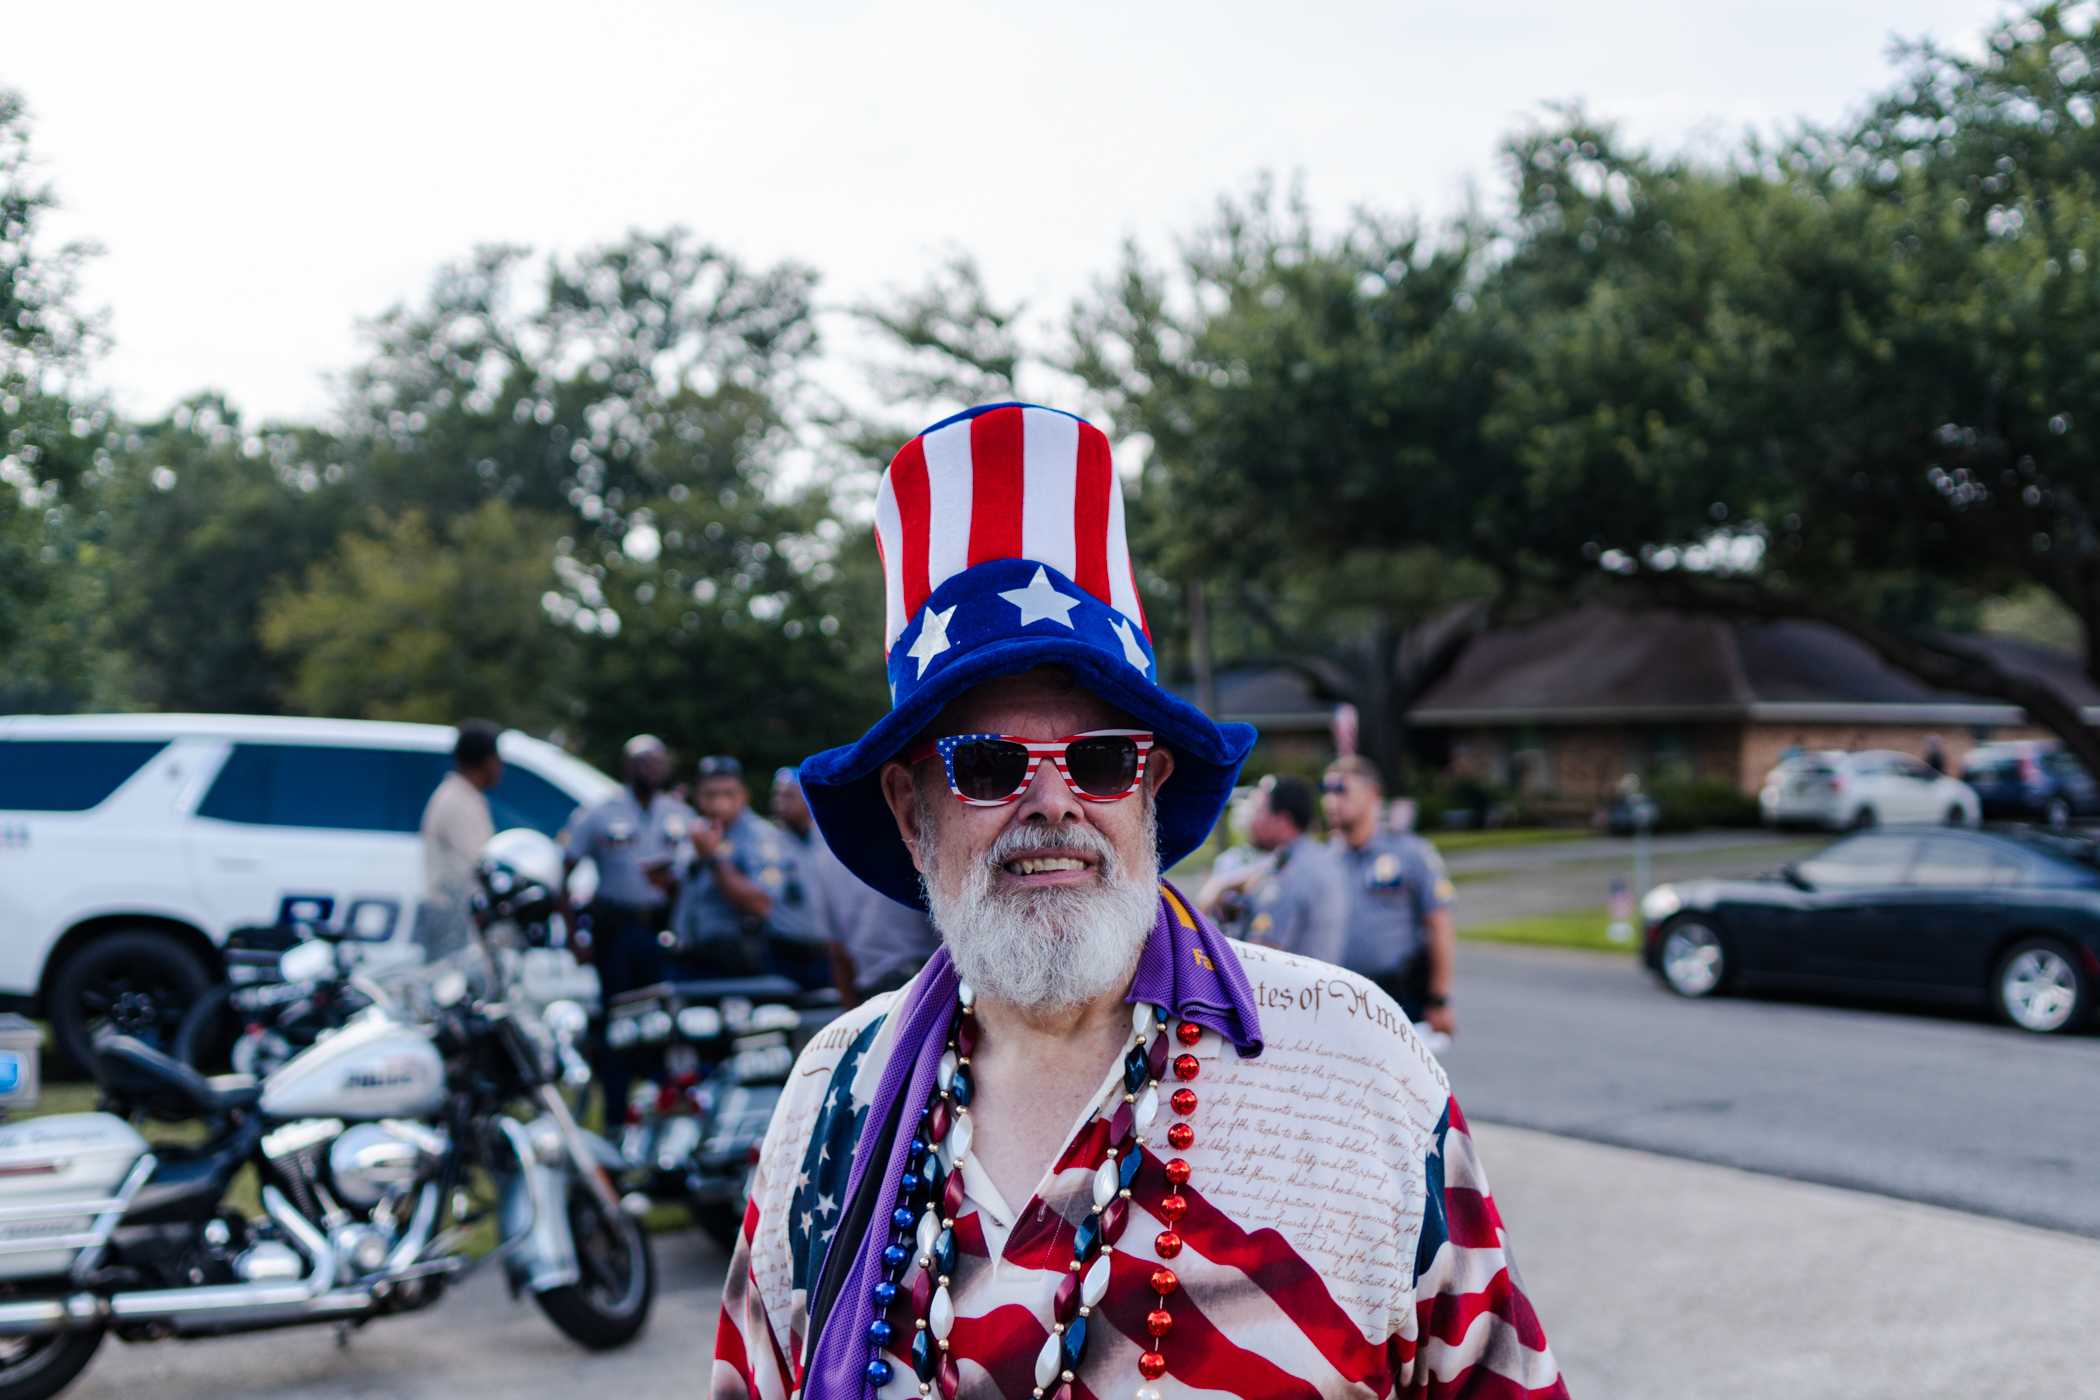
<point>844,789</point>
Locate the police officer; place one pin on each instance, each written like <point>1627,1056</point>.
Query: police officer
<point>877,944</point>
<point>1294,899</point>
<point>1400,932</point>
<point>634,838</point>
<point>744,907</point>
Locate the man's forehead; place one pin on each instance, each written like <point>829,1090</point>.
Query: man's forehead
<point>1042,703</point>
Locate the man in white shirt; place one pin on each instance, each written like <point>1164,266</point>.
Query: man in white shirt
<point>456,825</point>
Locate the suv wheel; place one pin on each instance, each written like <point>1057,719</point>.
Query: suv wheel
<point>136,981</point>
<point>2057,815</point>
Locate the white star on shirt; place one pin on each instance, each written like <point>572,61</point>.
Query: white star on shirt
<point>1040,601</point>
<point>801,1180</point>
<point>1132,652</point>
<point>831,1105</point>
<point>825,1205</point>
<point>933,638</point>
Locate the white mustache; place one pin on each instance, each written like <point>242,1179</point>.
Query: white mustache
<point>1017,839</point>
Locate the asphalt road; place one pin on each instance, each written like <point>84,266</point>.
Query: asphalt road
<point>474,1343</point>
<point>1942,1109</point>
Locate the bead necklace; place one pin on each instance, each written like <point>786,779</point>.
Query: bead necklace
<point>931,1192</point>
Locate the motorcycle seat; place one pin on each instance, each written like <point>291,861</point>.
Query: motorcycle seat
<point>129,1068</point>
<point>715,989</point>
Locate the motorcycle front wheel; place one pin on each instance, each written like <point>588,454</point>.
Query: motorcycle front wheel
<point>32,1368</point>
<point>609,1305</point>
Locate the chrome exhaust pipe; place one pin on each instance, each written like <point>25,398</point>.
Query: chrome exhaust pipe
<point>209,1307</point>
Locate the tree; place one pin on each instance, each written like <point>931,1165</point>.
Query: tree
<point>1309,410</point>
<point>201,519</point>
<point>410,622</point>
<point>1845,364</point>
<point>650,398</point>
<point>51,433</point>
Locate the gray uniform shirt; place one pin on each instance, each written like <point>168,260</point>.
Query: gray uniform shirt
<point>623,840</point>
<point>1394,883</point>
<point>885,939</point>
<point>1300,906</point>
<point>764,853</point>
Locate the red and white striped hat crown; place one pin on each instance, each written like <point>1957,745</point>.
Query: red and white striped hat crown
<point>1006,481</point>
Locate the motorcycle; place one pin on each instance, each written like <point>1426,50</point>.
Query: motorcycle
<point>726,1047</point>
<point>258,1019</point>
<point>368,1145</point>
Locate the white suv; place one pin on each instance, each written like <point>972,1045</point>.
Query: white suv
<point>1829,788</point>
<point>130,845</point>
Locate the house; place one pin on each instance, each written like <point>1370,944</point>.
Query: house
<point>1570,704</point>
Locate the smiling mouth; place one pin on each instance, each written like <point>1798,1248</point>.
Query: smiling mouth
<point>1044,865</point>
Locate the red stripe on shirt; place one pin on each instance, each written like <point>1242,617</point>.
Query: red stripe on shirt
<point>914,510</point>
<point>995,485</point>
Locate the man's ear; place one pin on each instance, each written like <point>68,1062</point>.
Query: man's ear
<point>1159,766</point>
<point>900,791</point>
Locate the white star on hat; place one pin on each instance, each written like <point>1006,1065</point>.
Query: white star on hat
<point>1132,652</point>
<point>933,638</point>
<point>1040,600</point>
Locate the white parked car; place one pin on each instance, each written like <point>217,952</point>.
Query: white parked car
<point>131,845</point>
<point>1837,790</point>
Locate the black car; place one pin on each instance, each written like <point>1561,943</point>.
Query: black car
<point>2008,919</point>
<point>2031,780</point>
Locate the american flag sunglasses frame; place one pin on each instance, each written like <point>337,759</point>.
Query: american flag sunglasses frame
<point>1055,750</point>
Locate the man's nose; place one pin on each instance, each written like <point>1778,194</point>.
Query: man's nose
<point>1049,798</point>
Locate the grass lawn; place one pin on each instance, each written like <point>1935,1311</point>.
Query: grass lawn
<point>1452,843</point>
<point>1575,928</point>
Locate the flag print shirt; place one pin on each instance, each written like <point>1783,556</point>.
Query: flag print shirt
<point>1339,1239</point>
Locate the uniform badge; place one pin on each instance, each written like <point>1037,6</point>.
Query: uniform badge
<point>1386,869</point>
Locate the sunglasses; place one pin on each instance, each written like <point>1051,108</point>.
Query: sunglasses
<point>1334,787</point>
<point>991,770</point>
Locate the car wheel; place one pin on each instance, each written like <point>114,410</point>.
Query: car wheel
<point>2038,987</point>
<point>1865,817</point>
<point>136,982</point>
<point>1693,961</point>
<point>2057,814</point>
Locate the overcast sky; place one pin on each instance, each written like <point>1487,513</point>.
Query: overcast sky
<point>261,177</point>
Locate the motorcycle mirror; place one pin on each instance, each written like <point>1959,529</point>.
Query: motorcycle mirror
<point>307,962</point>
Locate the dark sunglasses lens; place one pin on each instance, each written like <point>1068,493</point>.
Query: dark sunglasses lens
<point>989,769</point>
<point>1334,787</point>
<point>1103,767</point>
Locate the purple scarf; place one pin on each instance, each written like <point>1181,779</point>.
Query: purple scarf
<point>1187,967</point>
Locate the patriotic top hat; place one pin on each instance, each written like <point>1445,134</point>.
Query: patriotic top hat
<point>1001,535</point>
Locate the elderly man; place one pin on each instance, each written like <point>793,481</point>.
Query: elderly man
<point>1094,1145</point>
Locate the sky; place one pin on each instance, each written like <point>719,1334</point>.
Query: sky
<point>262,177</point>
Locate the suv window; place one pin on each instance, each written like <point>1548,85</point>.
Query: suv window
<point>1862,862</point>
<point>524,798</point>
<point>330,787</point>
<point>68,775</point>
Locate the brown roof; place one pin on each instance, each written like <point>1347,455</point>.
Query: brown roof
<point>1598,662</point>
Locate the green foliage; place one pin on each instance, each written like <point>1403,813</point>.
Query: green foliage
<point>51,433</point>
<point>1698,804</point>
<point>202,519</point>
<point>414,623</point>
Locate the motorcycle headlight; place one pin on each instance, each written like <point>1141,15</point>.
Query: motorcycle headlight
<point>655,1025</point>
<point>622,1033</point>
<point>1659,904</point>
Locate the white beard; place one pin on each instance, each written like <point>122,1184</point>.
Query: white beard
<point>1058,946</point>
